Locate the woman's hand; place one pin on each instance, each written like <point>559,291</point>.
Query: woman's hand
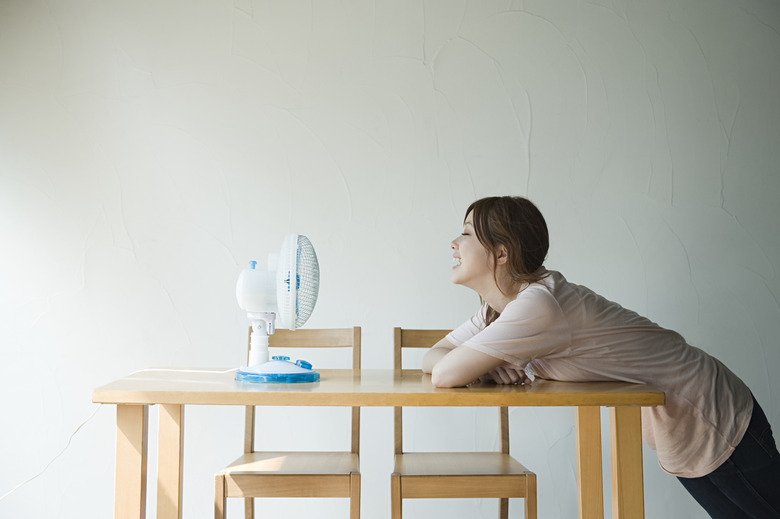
<point>507,375</point>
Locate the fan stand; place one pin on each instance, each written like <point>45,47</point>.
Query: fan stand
<point>262,327</point>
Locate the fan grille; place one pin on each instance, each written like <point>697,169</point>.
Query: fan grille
<point>308,280</point>
<point>298,281</point>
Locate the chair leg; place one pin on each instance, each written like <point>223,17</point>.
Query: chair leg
<point>354,496</point>
<point>530,496</point>
<point>249,508</point>
<point>219,497</point>
<point>503,508</point>
<point>396,503</point>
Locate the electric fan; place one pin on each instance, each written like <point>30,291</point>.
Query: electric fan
<point>289,288</point>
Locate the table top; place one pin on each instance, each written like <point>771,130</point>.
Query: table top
<point>380,387</point>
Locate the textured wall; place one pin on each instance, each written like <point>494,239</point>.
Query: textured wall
<point>149,149</point>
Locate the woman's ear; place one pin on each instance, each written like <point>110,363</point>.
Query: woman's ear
<point>502,256</point>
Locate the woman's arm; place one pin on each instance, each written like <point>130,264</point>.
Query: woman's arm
<point>453,374</point>
<point>462,365</point>
<point>453,366</point>
<point>435,354</point>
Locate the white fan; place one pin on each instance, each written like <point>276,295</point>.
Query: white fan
<point>289,288</point>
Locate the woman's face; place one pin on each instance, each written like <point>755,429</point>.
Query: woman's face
<point>473,263</point>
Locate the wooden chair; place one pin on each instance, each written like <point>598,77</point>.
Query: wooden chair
<point>296,474</point>
<point>455,474</point>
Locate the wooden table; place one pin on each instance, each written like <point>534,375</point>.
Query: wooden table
<point>172,389</point>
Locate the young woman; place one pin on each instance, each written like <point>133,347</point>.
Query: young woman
<point>711,433</point>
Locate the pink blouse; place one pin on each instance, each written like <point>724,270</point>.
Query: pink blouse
<point>561,331</point>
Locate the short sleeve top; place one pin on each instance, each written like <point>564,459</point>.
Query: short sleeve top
<point>562,331</point>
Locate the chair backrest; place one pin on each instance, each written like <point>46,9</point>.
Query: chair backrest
<point>415,338</point>
<point>312,338</point>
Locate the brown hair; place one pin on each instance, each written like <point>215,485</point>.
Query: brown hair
<point>517,224</point>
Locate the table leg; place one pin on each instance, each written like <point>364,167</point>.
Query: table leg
<point>590,492</point>
<point>132,430</point>
<point>627,485</point>
<point>170,444</point>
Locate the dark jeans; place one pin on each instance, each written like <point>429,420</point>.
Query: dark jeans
<point>747,485</point>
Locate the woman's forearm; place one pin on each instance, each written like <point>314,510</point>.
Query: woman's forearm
<point>461,366</point>
<point>432,357</point>
<point>435,354</point>
<point>452,366</point>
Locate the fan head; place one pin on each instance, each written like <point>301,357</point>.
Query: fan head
<point>297,281</point>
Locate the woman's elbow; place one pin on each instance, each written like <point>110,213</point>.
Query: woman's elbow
<point>444,378</point>
<point>432,358</point>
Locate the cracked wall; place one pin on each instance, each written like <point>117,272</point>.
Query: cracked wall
<point>149,150</point>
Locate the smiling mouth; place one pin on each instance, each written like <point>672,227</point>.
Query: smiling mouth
<point>457,262</point>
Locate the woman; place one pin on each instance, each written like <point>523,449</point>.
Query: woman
<point>711,433</point>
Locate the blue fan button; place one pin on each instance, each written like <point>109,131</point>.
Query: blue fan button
<point>280,357</point>
<point>303,364</point>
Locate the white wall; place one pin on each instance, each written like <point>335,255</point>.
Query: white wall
<point>149,149</point>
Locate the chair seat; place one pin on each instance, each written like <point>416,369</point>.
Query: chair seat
<point>462,475</point>
<point>281,463</point>
<point>291,474</point>
<point>458,463</point>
